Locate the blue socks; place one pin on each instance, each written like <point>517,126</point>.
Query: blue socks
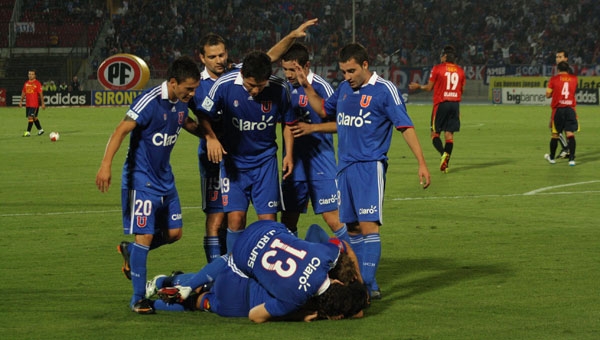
<point>138,258</point>
<point>342,234</point>
<point>371,254</point>
<point>207,274</point>
<point>212,248</point>
<point>231,237</point>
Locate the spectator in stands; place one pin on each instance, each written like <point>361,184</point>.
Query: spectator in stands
<point>75,85</point>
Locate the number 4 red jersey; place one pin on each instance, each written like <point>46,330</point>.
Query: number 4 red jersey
<point>563,87</point>
<point>448,81</point>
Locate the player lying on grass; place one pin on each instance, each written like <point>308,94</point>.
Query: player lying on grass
<point>322,286</point>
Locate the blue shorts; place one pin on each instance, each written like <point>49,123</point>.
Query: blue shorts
<point>210,185</point>
<point>258,185</point>
<point>146,213</point>
<point>361,187</point>
<point>228,295</point>
<point>322,194</point>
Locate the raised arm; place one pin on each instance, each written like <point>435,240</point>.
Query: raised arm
<point>284,44</point>
<point>315,101</point>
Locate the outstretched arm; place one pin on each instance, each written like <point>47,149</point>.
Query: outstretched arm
<point>416,86</point>
<point>284,44</point>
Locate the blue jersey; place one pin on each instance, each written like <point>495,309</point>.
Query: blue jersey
<point>206,83</point>
<point>159,122</point>
<point>365,119</point>
<point>290,269</point>
<point>249,123</point>
<point>314,156</point>
<point>233,294</point>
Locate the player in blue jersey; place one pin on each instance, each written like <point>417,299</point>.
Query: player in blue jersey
<point>251,102</point>
<point>314,156</point>
<point>215,58</point>
<point>286,275</point>
<point>150,202</point>
<point>366,108</point>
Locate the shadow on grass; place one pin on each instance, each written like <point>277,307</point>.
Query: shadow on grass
<point>405,278</point>
<point>465,167</point>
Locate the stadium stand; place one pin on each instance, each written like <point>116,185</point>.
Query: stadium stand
<point>395,32</point>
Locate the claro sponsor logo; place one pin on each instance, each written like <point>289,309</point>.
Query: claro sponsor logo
<point>163,139</point>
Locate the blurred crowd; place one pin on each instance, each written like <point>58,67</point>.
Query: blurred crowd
<point>400,32</point>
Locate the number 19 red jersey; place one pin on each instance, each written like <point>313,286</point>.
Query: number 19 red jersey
<point>448,80</point>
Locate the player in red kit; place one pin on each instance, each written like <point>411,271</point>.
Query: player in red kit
<point>561,89</point>
<point>34,98</point>
<point>447,80</point>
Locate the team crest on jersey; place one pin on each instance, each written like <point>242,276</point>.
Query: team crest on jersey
<point>266,106</point>
<point>236,103</point>
<point>365,100</point>
<point>141,221</point>
<point>164,116</point>
<point>303,100</point>
<point>180,120</point>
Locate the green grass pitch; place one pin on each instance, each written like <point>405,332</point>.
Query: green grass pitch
<point>504,246</point>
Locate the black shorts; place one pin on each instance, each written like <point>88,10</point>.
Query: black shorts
<point>446,117</point>
<point>564,119</point>
<point>31,112</point>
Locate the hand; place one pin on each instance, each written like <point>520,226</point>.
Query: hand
<point>214,150</point>
<point>424,177</point>
<point>103,179</point>
<point>310,317</point>
<point>414,86</point>
<point>300,75</point>
<point>288,166</point>
<point>300,32</point>
<point>301,129</point>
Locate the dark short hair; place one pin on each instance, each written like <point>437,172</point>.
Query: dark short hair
<point>211,39</point>
<point>450,52</point>
<point>563,66</point>
<point>182,69</point>
<point>297,52</point>
<point>257,65</point>
<point>563,52</point>
<point>338,299</point>
<point>354,51</point>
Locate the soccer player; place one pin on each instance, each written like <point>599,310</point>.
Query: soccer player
<point>366,108</point>
<point>314,156</point>
<point>279,262</point>
<point>561,89</point>
<point>447,80</point>
<point>250,101</point>
<point>34,98</point>
<point>561,55</point>
<point>150,202</point>
<point>214,55</point>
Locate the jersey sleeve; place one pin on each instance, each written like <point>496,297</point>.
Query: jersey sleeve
<point>395,108</point>
<point>331,104</point>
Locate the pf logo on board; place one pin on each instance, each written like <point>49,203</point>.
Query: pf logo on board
<point>123,72</point>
